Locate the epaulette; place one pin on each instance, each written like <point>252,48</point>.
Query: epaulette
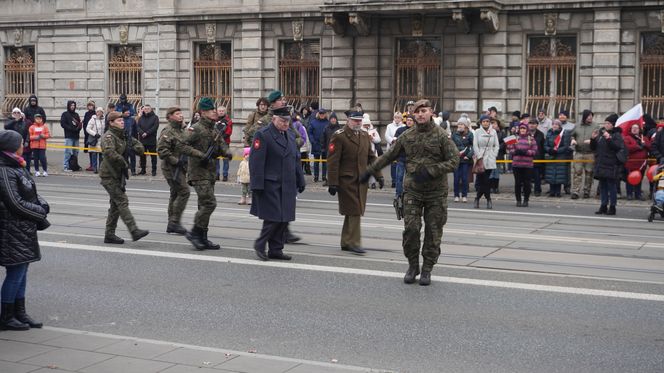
<point>339,131</point>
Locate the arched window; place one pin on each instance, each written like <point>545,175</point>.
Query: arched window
<point>125,74</point>
<point>652,73</point>
<point>212,74</point>
<point>299,72</point>
<point>19,78</point>
<point>418,72</point>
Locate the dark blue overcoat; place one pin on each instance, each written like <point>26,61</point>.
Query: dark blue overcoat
<point>276,174</point>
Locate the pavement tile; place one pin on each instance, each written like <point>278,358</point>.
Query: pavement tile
<point>67,359</point>
<point>17,351</point>
<point>81,342</point>
<point>251,364</point>
<point>189,369</point>
<point>187,356</point>
<point>7,367</point>
<point>137,349</point>
<point>307,368</point>
<point>31,336</point>
<point>121,364</point>
<point>49,370</point>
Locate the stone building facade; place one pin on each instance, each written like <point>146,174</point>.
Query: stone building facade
<point>463,55</point>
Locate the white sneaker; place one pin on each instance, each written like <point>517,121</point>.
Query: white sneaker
<point>464,199</point>
<point>456,199</point>
<point>37,174</point>
<point>44,173</point>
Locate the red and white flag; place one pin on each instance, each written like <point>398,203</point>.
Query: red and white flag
<point>631,117</point>
<point>558,139</point>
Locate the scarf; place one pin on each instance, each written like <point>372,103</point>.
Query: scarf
<point>21,162</point>
<point>558,139</point>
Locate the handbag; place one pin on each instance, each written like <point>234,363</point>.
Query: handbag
<point>478,166</point>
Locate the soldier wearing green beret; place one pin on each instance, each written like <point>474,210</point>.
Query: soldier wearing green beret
<point>430,156</point>
<point>202,174</point>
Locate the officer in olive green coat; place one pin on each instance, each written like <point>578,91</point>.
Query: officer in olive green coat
<point>173,153</point>
<point>202,173</point>
<point>430,156</point>
<point>348,155</point>
<point>114,172</point>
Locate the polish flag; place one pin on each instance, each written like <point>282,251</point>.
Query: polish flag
<point>558,139</point>
<point>631,117</point>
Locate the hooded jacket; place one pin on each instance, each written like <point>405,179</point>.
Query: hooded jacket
<point>70,121</point>
<point>316,132</point>
<point>148,124</point>
<point>31,110</point>
<point>330,130</point>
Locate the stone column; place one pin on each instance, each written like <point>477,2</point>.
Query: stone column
<point>248,68</point>
<point>605,76</point>
<point>160,67</point>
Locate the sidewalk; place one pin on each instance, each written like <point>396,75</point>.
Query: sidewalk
<point>53,350</point>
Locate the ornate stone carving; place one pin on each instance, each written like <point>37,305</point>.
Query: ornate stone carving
<point>337,22</point>
<point>490,17</point>
<point>461,20</point>
<point>550,24</point>
<point>211,32</point>
<point>360,22</point>
<point>416,25</point>
<point>18,37</point>
<point>124,34</point>
<point>298,30</point>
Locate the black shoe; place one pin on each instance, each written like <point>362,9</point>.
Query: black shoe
<point>142,172</point>
<point>489,204</point>
<point>315,179</point>
<point>586,195</point>
<point>217,178</point>
<point>602,210</point>
<point>411,274</point>
<point>477,203</point>
<point>291,238</point>
<point>567,190</point>
<point>22,316</point>
<point>373,185</point>
<point>225,178</point>
<point>354,250</point>
<point>7,319</point>
<point>133,173</point>
<point>325,183</point>
<point>111,238</point>
<point>425,278</point>
<point>324,179</point>
<point>525,203</point>
<point>154,172</point>
<point>518,204</point>
<point>394,185</point>
<point>209,245</point>
<point>195,236</point>
<point>138,234</point>
<point>176,228</point>
<point>612,210</point>
<point>575,196</point>
<point>260,253</point>
<point>279,256</point>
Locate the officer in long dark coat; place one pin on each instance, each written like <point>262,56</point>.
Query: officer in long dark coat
<point>276,178</point>
<point>348,155</point>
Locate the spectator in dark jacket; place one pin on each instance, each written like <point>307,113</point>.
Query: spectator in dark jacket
<point>522,153</point>
<point>86,119</point>
<point>32,109</point>
<point>22,213</point>
<point>316,130</point>
<point>148,125</point>
<point>557,147</point>
<point>131,131</point>
<point>538,168</point>
<point>463,139</point>
<point>70,121</point>
<point>332,127</point>
<point>124,104</point>
<point>19,124</point>
<point>609,147</point>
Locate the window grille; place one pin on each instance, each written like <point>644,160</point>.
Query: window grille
<point>652,73</point>
<point>299,72</point>
<point>212,74</point>
<point>125,74</point>
<point>19,78</point>
<point>551,65</point>
<point>418,72</point>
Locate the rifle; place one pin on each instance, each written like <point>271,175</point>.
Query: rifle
<point>398,206</point>
<point>211,150</point>
<point>182,161</point>
<point>125,170</point>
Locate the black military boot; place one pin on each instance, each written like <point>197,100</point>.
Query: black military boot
<point>209,245</point>
<point>425,278</point>
<point>20,315</point>
<point>411,273</point>
<point>602,210</point>
<point>176,228</point>
<point>112,238</point>
<point>138,234</point>
<point>525,203</point>
<point>7,319</point>
<point>612,210</point>
<point>195,236</point>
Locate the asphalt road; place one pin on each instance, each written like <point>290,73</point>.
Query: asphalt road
<point>551,288</point>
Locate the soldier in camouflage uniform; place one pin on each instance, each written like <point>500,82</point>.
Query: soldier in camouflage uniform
<point>173,153</point>
<point>430,156</point>
<point>202,172</point>
<point>114,172</point>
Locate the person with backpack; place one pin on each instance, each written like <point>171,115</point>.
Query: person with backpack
<point>610,157</point>
<point>70,121</point>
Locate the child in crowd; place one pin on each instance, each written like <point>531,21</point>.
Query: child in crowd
<point>244,179</point>
<point>38,135</point>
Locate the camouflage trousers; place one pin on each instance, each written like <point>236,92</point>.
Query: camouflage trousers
<point>178,199</point>
<point>434,212</point>
<point>207,202</point>
<point>581,168</point>
<point>119,207</point>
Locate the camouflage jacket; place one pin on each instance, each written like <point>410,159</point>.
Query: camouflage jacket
<point>113,147</point>
<point>263,122</point>
<point>426,146</point>
<point>203,135</point>
<point>171,146</point>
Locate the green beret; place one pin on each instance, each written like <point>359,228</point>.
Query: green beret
<point>206,103</point>
<point>274,96</point>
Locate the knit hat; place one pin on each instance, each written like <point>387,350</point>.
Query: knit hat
<point>612,118</point>
<point>246,151</point>
<point>16,110</point>
<point>10,141</point>
<point>516,114</point>
<point>483,117</point>
<point>463,119</point>
<point>525,115</point>
<point>206,103</point>
<point>113,116</point>
<point>274,96</point>
<point>445,115</point>
<point>564,112</point>
<point>91,103</point>
<point>523,125</point>
<point>99,108</point>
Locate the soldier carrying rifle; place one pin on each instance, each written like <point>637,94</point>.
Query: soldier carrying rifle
<point>174,153</point>
<point>114,174</point>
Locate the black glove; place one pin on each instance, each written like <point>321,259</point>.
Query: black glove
<point>381,182</point>
<point>43,224</point>
<point>300,189</point>
<point>422,175</point>
<point>332,190</point>
<point>552,151</point>
<point>204,162</point>
<point>228,156</point>
<point>364,178</point>
<point>42,202</point>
